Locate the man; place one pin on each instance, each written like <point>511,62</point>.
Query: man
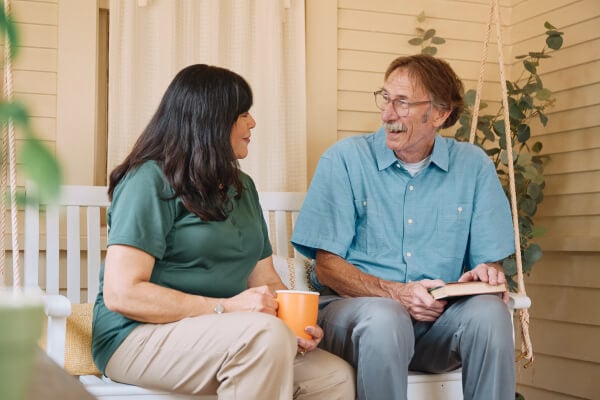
<point>392,214</point>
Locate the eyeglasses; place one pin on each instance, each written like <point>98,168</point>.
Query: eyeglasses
<point>401,106</point>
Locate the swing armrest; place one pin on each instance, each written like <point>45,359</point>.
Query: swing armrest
<point>518,301</point>
<point>57,309</point>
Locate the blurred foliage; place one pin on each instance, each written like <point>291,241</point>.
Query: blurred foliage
<point>528,99</point>
<point>37,162</point>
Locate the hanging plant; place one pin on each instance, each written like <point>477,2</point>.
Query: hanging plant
<point>528,100</point>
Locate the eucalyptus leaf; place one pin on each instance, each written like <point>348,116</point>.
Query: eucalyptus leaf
<point>537,147</point>
<point>538,231</point>
<point>529,66</point>
<point>534,191</point>
<point>429,34</point>
<point>430,50</point>
<point>533,253</point>
<point>543,94</point>
<point>510,266</point>
<point>415,41</point>
<point>438,40</point>
<point>42,167</point>
<point>523,133</point>
<point>543,118</point>
<point>548,25</point>
<point>555,42</point>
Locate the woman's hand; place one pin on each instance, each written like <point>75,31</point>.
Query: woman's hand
<point>305,345</point>
<point>255,299</point>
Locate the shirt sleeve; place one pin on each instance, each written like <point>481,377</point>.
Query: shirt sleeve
<point>327,218</point>
<point>491,236</point>
<point>141,214</point>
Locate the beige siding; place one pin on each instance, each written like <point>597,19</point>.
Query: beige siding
<point>565,284</point>
<point>34,68</point>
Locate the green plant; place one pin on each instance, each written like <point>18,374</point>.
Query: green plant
<point>37,162</point>
<point>528,99</point>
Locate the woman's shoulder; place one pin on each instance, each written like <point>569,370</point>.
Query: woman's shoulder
<point>147,176</point>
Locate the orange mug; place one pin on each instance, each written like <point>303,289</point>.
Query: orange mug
<point>298,309</point>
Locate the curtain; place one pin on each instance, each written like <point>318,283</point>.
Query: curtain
<point>262,40</point>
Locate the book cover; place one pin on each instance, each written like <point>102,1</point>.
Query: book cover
<point>453,289</point>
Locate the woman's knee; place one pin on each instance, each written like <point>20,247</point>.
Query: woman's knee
<point>272,337</point>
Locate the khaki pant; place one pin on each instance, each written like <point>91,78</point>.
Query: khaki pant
<point>236,355</point>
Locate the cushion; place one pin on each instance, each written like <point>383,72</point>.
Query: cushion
<point>294,272</point>
<point>78,348</point>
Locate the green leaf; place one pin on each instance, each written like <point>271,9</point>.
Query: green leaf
<point>537,147</point>
<point>520,57</point>
<point>548,25</point>
<point>543,118</point>
<point>421,17</point>
<point>429,34</point>
<point>529,66</point>
<point>430,50</point>
<point>498,127</point>
<point>528,206</point>
<point>510,266</point>
<point>16,112</point>
<point>469,97</point>
<point>41,167</point>
<point>438,40</point>
<point>543,94</point>
<point>523,133</point>
<point>9,29</point>
<point>534,191</point>
<point>533,253</point>
<point>554,42</point>
<point>415,41</point>
<point>538,231</point>
<point>515,112</point>
<point>536,54</point>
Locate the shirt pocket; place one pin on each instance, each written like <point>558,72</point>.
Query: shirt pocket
<point>369,226</point>
<point>452,233</point>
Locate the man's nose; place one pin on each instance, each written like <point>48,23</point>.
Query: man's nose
<point>389,112</point>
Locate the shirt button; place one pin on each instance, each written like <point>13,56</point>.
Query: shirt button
<point>397,165</point>
<point>364,203</point>
<point>410,221</point>
<point>408,254</point>
<point>411,188</point>
<point>459,210</point>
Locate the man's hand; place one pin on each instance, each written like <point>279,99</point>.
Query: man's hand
<point>491,273</point>
<point>418,302</point>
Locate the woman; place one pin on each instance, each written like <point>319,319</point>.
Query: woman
<point>186,298</point>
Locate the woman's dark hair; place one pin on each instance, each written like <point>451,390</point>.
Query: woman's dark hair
<point>439,80</point>
<point>189,138</point>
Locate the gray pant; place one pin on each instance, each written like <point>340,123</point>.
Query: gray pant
<point>379,338</point>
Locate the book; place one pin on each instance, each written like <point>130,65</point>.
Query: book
<point>453,289</point>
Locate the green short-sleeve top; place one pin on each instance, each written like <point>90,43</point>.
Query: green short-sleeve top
<point>207,258</point>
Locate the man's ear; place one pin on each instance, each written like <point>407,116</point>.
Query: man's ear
<point>440,116</point>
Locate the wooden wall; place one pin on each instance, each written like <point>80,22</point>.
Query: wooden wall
<point>349,44</point>
<point>565,284</point>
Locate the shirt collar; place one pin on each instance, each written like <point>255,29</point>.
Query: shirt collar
<point>386,157</point>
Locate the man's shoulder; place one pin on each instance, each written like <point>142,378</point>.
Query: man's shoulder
<point>465,150</point>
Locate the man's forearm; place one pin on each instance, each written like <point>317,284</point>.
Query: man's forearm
<point>347,280</point>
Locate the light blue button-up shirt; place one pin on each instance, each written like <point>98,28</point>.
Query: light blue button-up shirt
<point>365,207</point>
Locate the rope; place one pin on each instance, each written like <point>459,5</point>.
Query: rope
<point>526,346</point>
<point>8,91</point>
<point>3,185</point>
<point>484,54</point>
